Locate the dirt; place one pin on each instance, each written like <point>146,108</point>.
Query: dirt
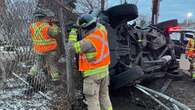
<point>183,91</point>
<point>12,97</point>
<point>180,89</point>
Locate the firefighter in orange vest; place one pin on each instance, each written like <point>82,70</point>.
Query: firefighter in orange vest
<point>94,60</point>
<point>190,52</point>
<point>43,33</point>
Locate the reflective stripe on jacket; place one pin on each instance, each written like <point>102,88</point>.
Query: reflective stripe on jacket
<point>99,72</point>
<point>42,42</point>
<point>100,58</point>
<point>190,48</point>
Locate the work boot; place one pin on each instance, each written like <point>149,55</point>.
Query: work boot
<point>30,80</point>
<point>55,78</point>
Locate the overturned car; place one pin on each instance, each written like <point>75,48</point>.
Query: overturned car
<point>136,52</point>
<point>139,54</point>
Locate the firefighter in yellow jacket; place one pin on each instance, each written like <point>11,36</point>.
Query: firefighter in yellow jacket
<point>190,52</point>
<point>94,60</point>
<point>43,34</point>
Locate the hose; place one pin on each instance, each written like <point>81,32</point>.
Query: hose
<point>175,102</point>
<point>155,99</point>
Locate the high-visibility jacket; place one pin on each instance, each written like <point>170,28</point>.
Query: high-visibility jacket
<point>98,39</point>
<point>42,42</point>
<point>190,49</point>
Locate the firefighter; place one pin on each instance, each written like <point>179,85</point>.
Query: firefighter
<point>94,60</point>
<point>44,33</point>
<point>190,52</point>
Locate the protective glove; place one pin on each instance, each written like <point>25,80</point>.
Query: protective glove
<point>73,35</point>
<point>53,31</point>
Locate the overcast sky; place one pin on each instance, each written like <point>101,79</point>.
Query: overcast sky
<point>169,9</point>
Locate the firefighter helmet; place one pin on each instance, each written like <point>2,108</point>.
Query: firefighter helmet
<point>87,21</point>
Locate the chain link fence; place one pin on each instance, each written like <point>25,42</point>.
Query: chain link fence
<point>16,59</point>
<point>15,42</point>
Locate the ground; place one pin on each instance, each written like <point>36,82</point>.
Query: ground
<point>182,90</point>
<point>12,97</point>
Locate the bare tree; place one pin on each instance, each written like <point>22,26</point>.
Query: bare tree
<point>102,4</point>
<point>84,6</point>
<point>15,19</point>
<point>56,5</point>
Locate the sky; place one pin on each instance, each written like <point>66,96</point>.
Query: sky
<point>169,9</point>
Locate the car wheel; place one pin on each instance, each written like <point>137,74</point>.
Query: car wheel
<point>176,74</point>
<point>174,67</point>
<point>122,12</point>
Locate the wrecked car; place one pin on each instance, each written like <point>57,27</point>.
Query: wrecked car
<point>137,53</point>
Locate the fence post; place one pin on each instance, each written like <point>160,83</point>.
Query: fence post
<point>68,65</point>
<point>2,68</point>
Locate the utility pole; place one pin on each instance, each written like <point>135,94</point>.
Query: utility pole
<point>102,4</point>
<point>155,11</point>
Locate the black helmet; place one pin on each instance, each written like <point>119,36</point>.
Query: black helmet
<point>87,21</point>
<point>41,13</point>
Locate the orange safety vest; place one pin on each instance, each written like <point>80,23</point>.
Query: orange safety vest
<point>99,40</point>
<point>190,48</point>
<point>42,42</point>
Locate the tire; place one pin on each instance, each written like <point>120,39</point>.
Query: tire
<point>174,67</point>
<point>123,79</point>
<point>176,74</point>
<point>120,13</point>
